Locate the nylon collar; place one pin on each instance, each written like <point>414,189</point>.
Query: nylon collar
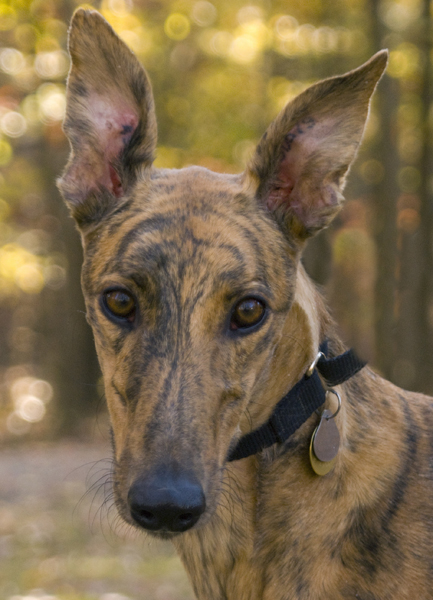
<point>299,403</point>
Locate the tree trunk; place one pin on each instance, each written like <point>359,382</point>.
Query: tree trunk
<point>384,199</point>
<point>415,262</point>
<point>69,347</point>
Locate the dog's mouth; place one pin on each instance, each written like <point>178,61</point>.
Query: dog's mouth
<point>164,535</point>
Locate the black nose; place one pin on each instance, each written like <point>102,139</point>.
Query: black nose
<point>166,501</point>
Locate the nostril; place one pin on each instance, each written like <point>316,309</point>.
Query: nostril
<point>146,515</point>
<point>186,517</point>
<point>142,516</point>
<point>185,521</point>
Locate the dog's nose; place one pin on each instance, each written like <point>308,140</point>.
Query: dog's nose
<point>166,502</point>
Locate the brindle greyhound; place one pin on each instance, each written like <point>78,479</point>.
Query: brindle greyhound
<point>206,323</point>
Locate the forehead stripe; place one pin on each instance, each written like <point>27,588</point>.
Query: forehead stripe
<point>153,251</point>
<point>160,221</point>
<point>155,223</point>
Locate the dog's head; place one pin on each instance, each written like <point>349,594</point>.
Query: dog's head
<point>201,314</point>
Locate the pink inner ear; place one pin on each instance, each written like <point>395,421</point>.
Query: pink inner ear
<point>298,147</point>
<point>116,184</point>
<point>294,156</point>
<point>281,189</point>
<point>114,123</point>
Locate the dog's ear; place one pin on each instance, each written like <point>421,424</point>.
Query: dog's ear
<point>110,119</point>
<point>300,164</point>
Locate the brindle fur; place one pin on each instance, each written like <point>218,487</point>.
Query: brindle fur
<point>182,388</point>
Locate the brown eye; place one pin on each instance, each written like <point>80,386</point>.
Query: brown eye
<point>120,304</point>
<point>247,313</point>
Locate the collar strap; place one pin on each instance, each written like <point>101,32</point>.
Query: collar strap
<point>299,403</point>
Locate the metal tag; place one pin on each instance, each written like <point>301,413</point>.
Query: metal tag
<point>326,439</point>
<point>324,445</point>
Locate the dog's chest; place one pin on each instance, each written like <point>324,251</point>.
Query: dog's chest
<point>259,540</point>
<point>300,537</point>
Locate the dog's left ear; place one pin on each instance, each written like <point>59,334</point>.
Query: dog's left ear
<point>299,168</point>
<point>110,119</point>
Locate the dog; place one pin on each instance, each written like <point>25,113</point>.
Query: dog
<point>280,466</point>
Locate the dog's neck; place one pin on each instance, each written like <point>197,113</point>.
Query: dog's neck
<point>251,497</point>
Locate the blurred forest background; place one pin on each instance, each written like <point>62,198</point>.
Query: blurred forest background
<point>220,70</point>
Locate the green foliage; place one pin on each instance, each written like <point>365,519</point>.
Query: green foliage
<point>220,73</point>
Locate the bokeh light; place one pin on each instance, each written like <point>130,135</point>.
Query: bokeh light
<point>243,49</point>
<point>204,13</point>
<point>30,397</point>
<point>22,268</point>
<point>13,124</point>
<point>51,65</point>
<point>11,61</point>
<point>52,101</point>
<point>285,27</point>
<point>404,61</point>
<point>398,16</point>
<point>177,26</point>
<point>120,7</point>
<point>30,408</point>
<point>30,278</point>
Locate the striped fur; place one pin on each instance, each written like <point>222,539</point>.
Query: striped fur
<point>182,385</point>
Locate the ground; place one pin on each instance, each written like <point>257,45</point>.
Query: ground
<point>57,543</point>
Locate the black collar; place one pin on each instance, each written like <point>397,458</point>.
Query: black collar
<point>299,403</point>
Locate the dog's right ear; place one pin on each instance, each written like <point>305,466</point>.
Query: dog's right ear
<point>110,119</point>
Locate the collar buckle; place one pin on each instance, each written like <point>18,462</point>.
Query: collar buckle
<point>313,365</point>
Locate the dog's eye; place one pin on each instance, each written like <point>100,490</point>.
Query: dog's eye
<point>247,313</point>
<point>120,304</point>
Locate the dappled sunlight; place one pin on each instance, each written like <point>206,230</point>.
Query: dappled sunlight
<point>58,539</point>
<point>220,72</point>
<point>20,269</point>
